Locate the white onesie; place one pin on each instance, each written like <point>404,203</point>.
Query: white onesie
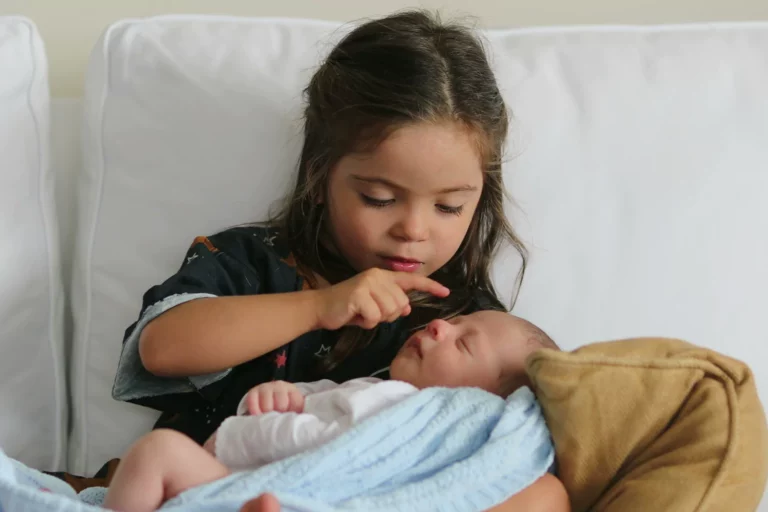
<point>247,442</point>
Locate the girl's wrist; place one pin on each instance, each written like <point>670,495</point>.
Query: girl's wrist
<point>310,307</point>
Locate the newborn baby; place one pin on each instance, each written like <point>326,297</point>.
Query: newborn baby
<point>486,349</point>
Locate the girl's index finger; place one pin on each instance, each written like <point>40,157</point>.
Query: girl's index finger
<point>409,282</point>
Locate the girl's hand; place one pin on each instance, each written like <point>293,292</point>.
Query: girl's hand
<point>277,396</point>
<point>372,297</point>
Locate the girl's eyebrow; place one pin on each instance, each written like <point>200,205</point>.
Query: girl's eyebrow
<point>391,184</point>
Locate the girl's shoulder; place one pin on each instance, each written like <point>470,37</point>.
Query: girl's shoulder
<point>247,239</point>
<point>255,246</point>
<point>238,261</point>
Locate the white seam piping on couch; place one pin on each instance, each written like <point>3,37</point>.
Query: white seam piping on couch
<point>53,252</point>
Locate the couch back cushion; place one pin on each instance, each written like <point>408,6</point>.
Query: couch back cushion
<point>637,159</point>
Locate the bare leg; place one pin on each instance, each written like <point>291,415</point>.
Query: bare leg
<point>158,467</point>
<point>264,503</point>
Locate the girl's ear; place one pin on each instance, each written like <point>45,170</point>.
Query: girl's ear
<point>320,195</point>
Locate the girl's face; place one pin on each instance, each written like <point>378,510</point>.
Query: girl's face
<point>407,205</point>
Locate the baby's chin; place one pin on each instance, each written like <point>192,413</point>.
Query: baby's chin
<point>395,371</point>
<point>398,369</point>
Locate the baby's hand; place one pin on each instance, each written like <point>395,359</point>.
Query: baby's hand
<point>277,396</point>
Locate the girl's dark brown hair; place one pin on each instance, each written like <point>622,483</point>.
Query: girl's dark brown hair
<point>406,68</point>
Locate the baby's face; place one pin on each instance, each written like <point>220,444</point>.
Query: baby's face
<point>473,350</point>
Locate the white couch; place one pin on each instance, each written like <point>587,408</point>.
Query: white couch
<point>638,160</point>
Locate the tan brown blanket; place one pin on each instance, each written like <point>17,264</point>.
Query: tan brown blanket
<point>653,425</point>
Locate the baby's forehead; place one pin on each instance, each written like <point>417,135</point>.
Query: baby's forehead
<point>485,316</point>
<point>510,337</point>
<point>495,323</point>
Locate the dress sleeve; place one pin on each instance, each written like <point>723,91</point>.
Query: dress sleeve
<point>231,263</point>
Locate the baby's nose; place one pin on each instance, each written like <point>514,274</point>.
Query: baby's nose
<point>439,329</point>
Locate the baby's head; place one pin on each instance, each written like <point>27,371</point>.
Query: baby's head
<point>486,349</point>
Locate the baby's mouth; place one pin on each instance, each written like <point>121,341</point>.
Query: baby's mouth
<point>415,344</point>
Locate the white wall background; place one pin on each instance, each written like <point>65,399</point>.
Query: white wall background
<point>71,27</point>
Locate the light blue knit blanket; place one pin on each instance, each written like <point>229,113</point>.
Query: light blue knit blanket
<point>440,449</point>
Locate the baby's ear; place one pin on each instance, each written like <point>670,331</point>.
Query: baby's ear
<point>514,381</point>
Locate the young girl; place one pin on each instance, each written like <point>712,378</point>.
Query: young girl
<point>396,215</point>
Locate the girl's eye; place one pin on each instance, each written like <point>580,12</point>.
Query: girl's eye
<point>463,345</point>
<point>452,210</point>
<point>376,203</point>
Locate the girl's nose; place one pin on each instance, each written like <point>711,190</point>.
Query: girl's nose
<point>412,226</point>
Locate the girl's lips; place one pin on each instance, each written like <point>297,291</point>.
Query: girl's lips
<point>401,264</point>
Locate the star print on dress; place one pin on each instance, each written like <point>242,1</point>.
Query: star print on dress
<point>192,258</point>
<point>269,240</point>
<point>280,359</point>
<point>324,351</point>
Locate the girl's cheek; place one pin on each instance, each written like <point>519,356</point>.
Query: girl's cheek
<point>361,223</point>
<point>450,237</point>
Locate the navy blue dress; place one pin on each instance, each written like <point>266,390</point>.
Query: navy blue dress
<point>241,261</point>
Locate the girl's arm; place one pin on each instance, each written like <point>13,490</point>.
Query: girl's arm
<point>547,494</point>
<point>212,334</point>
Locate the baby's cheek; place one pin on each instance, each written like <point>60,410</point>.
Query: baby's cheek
<point>445,372</point>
